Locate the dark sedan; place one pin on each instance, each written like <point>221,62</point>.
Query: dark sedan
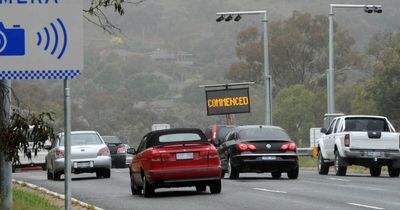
<point>258,148</point>
<point>117,151</point>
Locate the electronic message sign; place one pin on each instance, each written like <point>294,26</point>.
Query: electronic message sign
<point>41,39</point>
<point>228,101</point>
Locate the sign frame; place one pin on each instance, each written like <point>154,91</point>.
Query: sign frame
<point>226,90</point>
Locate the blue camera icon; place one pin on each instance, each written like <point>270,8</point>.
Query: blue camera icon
<point>12,41</point>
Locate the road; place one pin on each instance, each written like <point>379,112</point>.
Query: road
<point>251,191</point>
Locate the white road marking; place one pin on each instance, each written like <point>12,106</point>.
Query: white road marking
<point>273,191</point>
<point>344,180</point>
<point>365,206</point>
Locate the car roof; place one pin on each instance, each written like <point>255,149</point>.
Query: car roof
<point>79,132</point>
<point>363,116</point>
<point>244,127</point>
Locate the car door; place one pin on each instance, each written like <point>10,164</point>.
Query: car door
<point>330,140</point>
<point>223,150</point>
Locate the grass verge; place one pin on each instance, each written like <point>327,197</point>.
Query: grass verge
<point>28,201</point>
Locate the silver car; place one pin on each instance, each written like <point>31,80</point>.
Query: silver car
<point>89,154</point>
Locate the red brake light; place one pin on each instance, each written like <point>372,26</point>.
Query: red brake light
<point>104,152</point>
<point>241,147</point>
<point>59,153</point>
<point>214,133</point>
<point>213,154</point>
<point>347,140</point>
<point>121,150</point>
<point>245,147</point>
<point>289,146</point>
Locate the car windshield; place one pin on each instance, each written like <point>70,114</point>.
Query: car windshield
<point>263,133</point>
<point>366,124</point>
<point>83,139</point>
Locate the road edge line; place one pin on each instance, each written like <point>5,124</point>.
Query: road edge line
<point>61,196</point>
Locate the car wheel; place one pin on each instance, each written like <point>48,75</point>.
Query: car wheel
<point>134,188</point>
<point>276,174</point>
<point>340,170</point>
<point>323,168</point>
<point>393,172</point>
<point>201,188</point>
<point>293,173</point>
<point>233,173</point>
<point>222,174</point>
<point>375,171</point>
<point>215,187</point>
<point>49,175</point>
<point>148,189</point>
<point>57,176</point>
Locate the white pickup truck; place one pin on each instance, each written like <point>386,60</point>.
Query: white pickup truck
<point>369,141</point>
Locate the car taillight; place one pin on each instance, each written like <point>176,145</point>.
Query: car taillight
<point>104,152</point>
<point>121,150</point>
<point>155,155</point>
<point>214,133</point>
<point>289,146</point>
<point>166,156</point>
<point>213,154</point>
<point>59,153</point>
<point>347,140</point>
<point>245,147</point>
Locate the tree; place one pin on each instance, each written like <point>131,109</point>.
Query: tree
<point>295,112</point>
<point>383,90</point>
<point>298,51</point>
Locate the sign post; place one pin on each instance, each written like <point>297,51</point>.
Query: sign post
<point>43,39</point>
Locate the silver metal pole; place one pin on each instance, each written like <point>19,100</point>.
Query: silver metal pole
<point>268,86</point>
<point>330,75</point>
<point>5,166</point>
<point>67,144</point>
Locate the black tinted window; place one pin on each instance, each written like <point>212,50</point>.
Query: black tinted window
<point>366,124</point>
<point>263,133</point>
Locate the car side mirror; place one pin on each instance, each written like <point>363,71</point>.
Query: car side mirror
<point>324,130</point>
<point>131,151</point>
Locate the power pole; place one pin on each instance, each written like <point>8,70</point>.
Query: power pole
<point>5,166</point>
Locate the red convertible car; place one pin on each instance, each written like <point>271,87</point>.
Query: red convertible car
<point>179,157</point>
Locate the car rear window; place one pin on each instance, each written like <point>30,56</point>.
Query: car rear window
<point>366,124</point>
<point>263,134</point>
<point>112,139</point>
<point>179,137</point>
<point>83,139</point>
<point>223,131</point>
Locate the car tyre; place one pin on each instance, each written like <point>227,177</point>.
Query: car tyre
<point>293,173</point>
<point>375,171</point>
<point>57,176</point>
<point>215,187</point>
<point>276,174</point>
<point>222,174</point>
<point>340,169</point>
<point>323,168</point>
<point>148,189</point>
<point>49,175</point>
<point>233,172</point>
<point>393,172</point>
<point>201,188</point>
<point>134,188</point>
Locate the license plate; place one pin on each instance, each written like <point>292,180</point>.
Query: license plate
<point>268,157</point>
<point>374,154</point>
<point>83,164</point>
<point>184,156</point>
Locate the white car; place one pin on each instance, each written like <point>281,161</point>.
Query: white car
<point>369,141</point>
<point>36,160</point>
<point>89,154</point>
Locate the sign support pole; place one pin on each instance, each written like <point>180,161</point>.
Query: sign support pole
<point>67,144</point>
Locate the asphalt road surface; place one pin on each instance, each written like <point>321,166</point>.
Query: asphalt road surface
<point>251,191</point>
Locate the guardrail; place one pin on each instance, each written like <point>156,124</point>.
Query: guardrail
<point>305,151</point>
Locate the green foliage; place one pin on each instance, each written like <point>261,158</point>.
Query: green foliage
<point>294,112</point>
<point>28,201</point>
<point>25,128</point>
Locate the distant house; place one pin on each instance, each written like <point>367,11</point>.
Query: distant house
<point>180,57</point>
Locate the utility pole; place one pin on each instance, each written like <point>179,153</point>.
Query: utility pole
<point>5,166</point>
